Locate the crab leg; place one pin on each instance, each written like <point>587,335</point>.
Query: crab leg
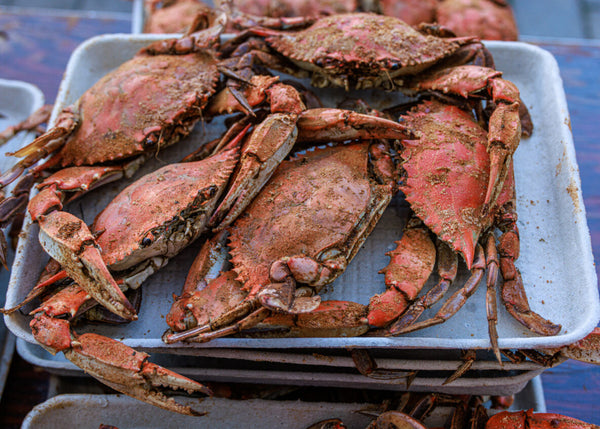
<point>513,291</point>
<point>41,147</point>
<point>411,264</point>
<point>33,122</point>
<point>491,303</point>
<point>69,241</point>
<point>114,364</point>
<point>456,301</point>
<point>447,269</point>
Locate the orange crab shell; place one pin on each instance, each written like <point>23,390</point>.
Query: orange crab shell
<point>487,19</point>
<point>363,44</point>
<point>321,205</point>
<point>447,174</point>
<point>163,211</point>
<point>148,100</point>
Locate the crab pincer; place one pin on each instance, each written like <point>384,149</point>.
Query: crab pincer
<point>116,365</point>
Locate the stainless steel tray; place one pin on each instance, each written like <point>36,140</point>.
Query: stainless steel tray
<point>18,100</point>
<point>426,369</point>
<point>91,410</point>
<point>550,205</point>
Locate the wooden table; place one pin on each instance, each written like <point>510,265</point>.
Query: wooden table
<point>36,48</point>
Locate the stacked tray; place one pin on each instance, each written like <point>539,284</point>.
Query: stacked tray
<point>551,221</point>
<point>30,98</point>
<point>91,410</point>
<point>404,370</point>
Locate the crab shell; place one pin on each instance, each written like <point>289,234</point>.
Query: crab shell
<point>172,16</point>
<point>412,12</point>
<point>447,173</point>
<point>147,101</point>
<point>321,205</point>
<point>279,8</point>
<point>163,211</point>
<point>362,50</point>
<point>487,19</point>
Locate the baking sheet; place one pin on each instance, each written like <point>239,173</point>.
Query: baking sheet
<point>321,367</point>
<point>18,100</point>
<point>551,221</point>
<point>91,410</point>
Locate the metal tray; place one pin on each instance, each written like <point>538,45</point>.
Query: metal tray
<point>18,100</point>
<point>427,370</point>
<point>550,205</point>
<point>91,410</point>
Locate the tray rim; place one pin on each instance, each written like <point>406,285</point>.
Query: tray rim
<point>7,348</point>
<point>531,396</point>
<point>593,312</point>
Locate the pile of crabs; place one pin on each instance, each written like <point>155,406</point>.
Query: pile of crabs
<point>286,197</point>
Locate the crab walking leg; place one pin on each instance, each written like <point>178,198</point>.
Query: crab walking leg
<point>491,303</point>
<point>447,261</point>
<point>457,300</point>
<point>32,123</point>
<point>513,291</point>
<point>114,364</point>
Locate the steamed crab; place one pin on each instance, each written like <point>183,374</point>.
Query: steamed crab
<point>123,120</point>
<point>486,19</point>
<point>447,166</point>
<point>146,224</point>
<point>146,104</point>
<point>340,190</point>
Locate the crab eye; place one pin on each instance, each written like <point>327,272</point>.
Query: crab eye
<point>146,242</point>
<point>151,140</point>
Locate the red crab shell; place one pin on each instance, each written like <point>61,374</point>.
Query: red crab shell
<point>146,99</point>
<point>447,173</point>
<point>363,47</point>
<point>321,205</point>
<point>487,19</point>
<point>163,211</point>
<point>290,8</point>
<point>173,16</point>
<point>412,12</point>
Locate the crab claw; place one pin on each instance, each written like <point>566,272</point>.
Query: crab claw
<point>115,364</point>
<point>69,241</point>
